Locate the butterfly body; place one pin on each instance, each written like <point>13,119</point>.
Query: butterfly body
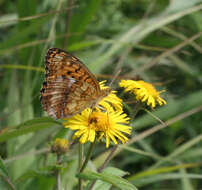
<point>69,86</point>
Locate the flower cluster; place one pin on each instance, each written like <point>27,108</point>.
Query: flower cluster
<point>110,124</point>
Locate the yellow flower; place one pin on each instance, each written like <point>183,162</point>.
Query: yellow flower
<point>112,125</point>
<point>90,124</point>
<point>112,100</point>
<point>144,92</point>
<point>60,146</point>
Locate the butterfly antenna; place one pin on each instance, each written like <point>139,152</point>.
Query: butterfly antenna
<point>115,77</point>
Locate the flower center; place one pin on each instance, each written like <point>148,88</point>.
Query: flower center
<point>93,120</point>
<point>100,121</point>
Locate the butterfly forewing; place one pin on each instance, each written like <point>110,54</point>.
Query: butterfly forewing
<point>69,86</point>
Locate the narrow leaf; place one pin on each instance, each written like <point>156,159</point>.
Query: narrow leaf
<point>116,181</point>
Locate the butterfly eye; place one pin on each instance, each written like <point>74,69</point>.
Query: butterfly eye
<point>42,90</point>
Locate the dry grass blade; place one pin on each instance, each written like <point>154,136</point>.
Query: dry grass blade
<point>169,52</point>
<point>157,128</point>
<point>52,12</point>
<point>34,43</point>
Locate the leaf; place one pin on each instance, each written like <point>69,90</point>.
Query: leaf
<point>162,170</point>
<point>5,182</point>
<point>165,177</point>
<point>84,44</point>
<point>27,127</point>
<point>116,181</point>
<point>32,174</point>
<point>3,170</point>
<point>46,179</point>
<point>20,35</point>
<point>138,32</point>
<point>115,171</point>
<point>4,20</point>
<point>39,138</point>
<point>83,16</point>
<point>99,185</point>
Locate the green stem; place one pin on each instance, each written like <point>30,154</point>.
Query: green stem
<point>58,181</point>
<point>88,156</point>
<point>138,106</point>
<point>7,180</point>
<point>109,157</point>
<point>58,177</point>
<point>80,163</point>
<point>107,160</point>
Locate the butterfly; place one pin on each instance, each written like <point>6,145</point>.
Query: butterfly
<point>69,86</point>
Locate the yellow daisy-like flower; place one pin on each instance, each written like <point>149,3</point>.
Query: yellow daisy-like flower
<point>60,146</point>
<point>110,125</point>
<point>144,92</point>
<point>112,100</point>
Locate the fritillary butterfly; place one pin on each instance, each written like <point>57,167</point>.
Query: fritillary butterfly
<point>69,86</point>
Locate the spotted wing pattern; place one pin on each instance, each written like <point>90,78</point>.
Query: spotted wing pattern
<point>69,86</point>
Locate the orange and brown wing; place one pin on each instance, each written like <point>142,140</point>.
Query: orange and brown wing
<point>69,86</point>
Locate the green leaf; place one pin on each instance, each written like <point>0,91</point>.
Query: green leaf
<point>3,170</point>
<point>83,16</point>
<point>162,170</point>
<point>99,185</point>
<point>115,171</point>
<point>139,31</point>
<point>20,35</point>
<point>28,127</point>
<point>84,44</point>
<point>32,173</point>
<point>165,177</point>
<point>45,179</point>
<point>39,138</point>
<point>116,181</point>
<point>5,182</point>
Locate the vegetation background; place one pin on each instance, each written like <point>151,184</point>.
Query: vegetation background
<point>158,40</point>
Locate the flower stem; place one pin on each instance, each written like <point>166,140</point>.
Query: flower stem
<point>138,106</point>
<point>80,163</point>
<point>107,160</point>
<point>58,177</point>
<point>88,156</point>
<point>58,181</point>
<point>7,180</point>
<point>105,163</point>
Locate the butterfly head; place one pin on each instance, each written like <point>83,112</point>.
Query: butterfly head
<point>104,93</point>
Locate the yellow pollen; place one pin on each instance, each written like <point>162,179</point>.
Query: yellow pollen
<point>99,121</point>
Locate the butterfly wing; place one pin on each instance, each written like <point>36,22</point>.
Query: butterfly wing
<point>69,86</point>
